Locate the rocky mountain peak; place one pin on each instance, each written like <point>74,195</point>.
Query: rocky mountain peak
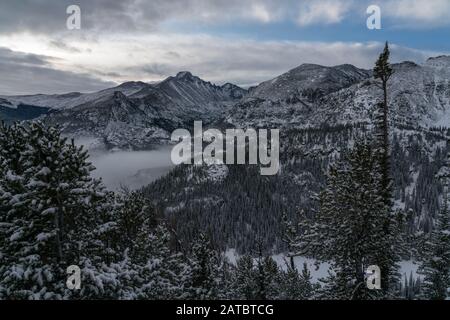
<point>309,82</point>
<point>185,75</point>
<point>233,90</point>
<point>132,84</point>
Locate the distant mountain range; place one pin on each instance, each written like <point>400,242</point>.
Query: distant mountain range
<point>139,115</point>
<point>320,111</point>
<point>132,115</point>
<point>312,95</point>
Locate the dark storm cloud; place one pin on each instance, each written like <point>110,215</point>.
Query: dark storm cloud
<point>23,73</point>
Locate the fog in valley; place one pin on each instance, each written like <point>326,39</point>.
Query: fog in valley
<point>132,169</point>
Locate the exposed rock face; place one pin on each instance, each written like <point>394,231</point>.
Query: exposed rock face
<point>135,115</point>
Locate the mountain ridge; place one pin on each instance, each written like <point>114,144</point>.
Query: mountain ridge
<point>309,95</point>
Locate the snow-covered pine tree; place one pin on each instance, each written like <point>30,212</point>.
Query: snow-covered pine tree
<point>290,284</point>
<point>383,71</point>
<point>149,269</point>
<point>227,281</point>
<point>165,275</point>
<point>266,275</point>
<point>435,257</point>
<point>245,283</point>
<point>205,264</point>
<point>53,214</point>
<point>348,229</point>
<point>136,219</point>
<point>294,285</point>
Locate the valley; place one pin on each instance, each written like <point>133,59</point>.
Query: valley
<point>320,112</point>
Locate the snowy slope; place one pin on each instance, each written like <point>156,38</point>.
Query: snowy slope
<point>137,115</point>
<point>311,96</point>
<point>309,82</point>
<point>69,100</point>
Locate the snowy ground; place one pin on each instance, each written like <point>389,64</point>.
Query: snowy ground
<point>321,270</point>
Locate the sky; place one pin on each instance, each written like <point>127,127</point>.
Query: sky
<point>240,41</point>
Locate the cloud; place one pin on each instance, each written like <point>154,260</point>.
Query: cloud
<point>131,16</point>
<point>418,13</point>
<point>322,12</point>
<point>24,73</point>
<point>127,40</point>
<point>22,58</point>
<point>49,17</point>
<point>153,58</point>
<point>104,16</point>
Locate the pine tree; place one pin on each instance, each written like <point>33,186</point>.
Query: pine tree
<point>383,71</point>
<point>294,285</point>
<point>148,268</point>
<point>53,214</point>
<point>245,282</point>
<point>265,278</point>
<point>227,281</point>
<point>290,284</point>
<point>348,229</point>
<point>136,218</point>
<point>165,274</point>
<point>435,258</point>
<point>205,265</point>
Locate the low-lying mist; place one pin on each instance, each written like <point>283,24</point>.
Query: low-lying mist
<point>133,169</point>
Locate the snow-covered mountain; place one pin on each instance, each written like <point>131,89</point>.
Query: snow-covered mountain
<point>73,99</point>
<point>133,115</point>
<point>309,82</point>
<point>138,114</point>
<point>320,111</point>
<point>311,96</point>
